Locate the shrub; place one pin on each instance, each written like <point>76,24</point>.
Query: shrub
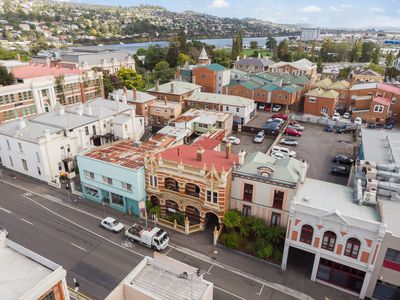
<point>275,235</point>
<point>180,219</point>
<point>232,219</point>
<point>230,240</point>
<point>263,249</point>
<point>277,255</point>
<point>155,210</point>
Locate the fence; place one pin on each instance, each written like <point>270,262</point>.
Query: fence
<point>187,229</point>
<point>318,120</point>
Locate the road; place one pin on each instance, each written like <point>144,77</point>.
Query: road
<point>99,259</point>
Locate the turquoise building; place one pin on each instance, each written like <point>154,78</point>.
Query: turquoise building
<point>115,175</point>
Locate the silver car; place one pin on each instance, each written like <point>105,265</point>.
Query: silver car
<point>259,138</point>
<point>289,142</point>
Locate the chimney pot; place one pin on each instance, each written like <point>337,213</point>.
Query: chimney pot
<point>135,94</point>
<point>172,87</point>
<point>200,154</point>
<point>228,150</point>
<point>157,85</point>
<point>194,79</point>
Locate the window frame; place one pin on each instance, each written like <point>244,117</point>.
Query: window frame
<point>305,236</point>
<point>329,235</point>
<point>350,250</point>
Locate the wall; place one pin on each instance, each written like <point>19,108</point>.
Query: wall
<point>206,78</point>
<point>315,108</point>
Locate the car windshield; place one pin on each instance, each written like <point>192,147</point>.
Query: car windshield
<point>115,223</point>
<point>163,238</point>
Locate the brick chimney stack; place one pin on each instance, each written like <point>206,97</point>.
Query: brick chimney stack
<point>194,79</point>
<point>135,94</point>
<point>228,150</point>
<point>200,154</point>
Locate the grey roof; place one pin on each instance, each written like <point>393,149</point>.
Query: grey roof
<point>31,132</point>
<point>175,88</point>
<point>101,108</point>
<point>140,96</point>
<point>121,119</point>
<point>94,58</point>
<point>381,146</point>
<point>220,99</point>
<point>264,62</point>
<point>364,86</point>
<point>65,120</point>
<point>285,170</point>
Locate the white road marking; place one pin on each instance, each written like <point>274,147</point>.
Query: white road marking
<point>168,251</point>
<point>6,210</point>
<point>281,288</point>
<point>79,247</point>
<point>26,221</point>
<point>260,292</point>
<point>209,269</point>
<point>230,293</point>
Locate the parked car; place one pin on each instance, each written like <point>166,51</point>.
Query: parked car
<point>344,129</point>
<point>3,230</point>
<point>298,127</point>
<point>340,170</point>
<point>279,116</point>
<point>268,107</point>
<point>343,159</point>
<point>277,120</point>
<point>336,117</point>
<point>329,128</point>
<point>283,150</point>
<point>261,107</point>
<point>358,121</point>
<point>279,155</point>
<point>259,138</point>
<point>289,142</point>
<point>292,132</point>
<point>269,130</point>
<point>276,108</point>
<point>346,115</point>
<point>234,140</point>
<point>112,224</point>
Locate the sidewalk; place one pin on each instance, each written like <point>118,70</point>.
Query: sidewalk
<point>200,242</point>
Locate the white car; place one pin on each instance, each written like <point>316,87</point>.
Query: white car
<point>346,115</point>
<point>278,120</point>
<point>276,108</point>
<point>336,117</point>
<point>234,140</point>
<point>298,127</point>
<point>261,107</point>
<point>259,138</point>
<point>279,155</point>
<point>112,224</point>
<point>358,121</point>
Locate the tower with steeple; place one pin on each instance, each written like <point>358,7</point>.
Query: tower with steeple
<point>203,58</point>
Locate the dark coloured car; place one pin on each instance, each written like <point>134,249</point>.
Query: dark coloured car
<point>340,170</point>
<point>343,130</point>
<point>343,159</point>
<point>329,128</point>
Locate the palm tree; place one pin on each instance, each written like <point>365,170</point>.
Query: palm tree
<point>232,219</point>
<point>275,235</point>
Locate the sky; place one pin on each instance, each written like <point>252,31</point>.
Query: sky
<point>324,13</point>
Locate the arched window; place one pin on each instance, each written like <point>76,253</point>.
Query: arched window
<point>329,241</point>
<point>306,234</point>
<point>192,190</point>
<point>171,184</point>
<point>352,247</point>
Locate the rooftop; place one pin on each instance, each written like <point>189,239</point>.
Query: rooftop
<point>132,96</point>
<point>214,67</point>
<point>126,153</point>
<point>380,146</point>
<point>165,104</point>
<point>175,88</point>
<point>334,197</point>
<point>41,70</point>
<point>206,142</point>
<point>364,86</point>
<point>30,132</point>
<point>286,170</point>
<point>187,154</point>
<point>319,92</point>
<point>381,100</point>
<point>389,88</point>
<point>200,115</point>
<point>390,214</point>
<point>265,62</point>
<point>220,99</point>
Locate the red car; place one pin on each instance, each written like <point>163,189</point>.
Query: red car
<point>293,132</point>
<point>280,116</point>
<point>268,108</point>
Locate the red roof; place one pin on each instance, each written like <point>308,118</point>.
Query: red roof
<point>382,101</point>
<point>389,88</point>
<point>188,155</point>
<point>41,70</point>
<point>207,143</point>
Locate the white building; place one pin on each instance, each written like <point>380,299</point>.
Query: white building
<point>396,64</point>
<point>243,109</point>
<point>25,275</point>
<point>160,278</point>
<point>312,34</point>
<point>333,236</point>
<point>47,144</point>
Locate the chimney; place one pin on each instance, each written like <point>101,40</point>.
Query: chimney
<point>125,90</point>
<point>241,155</point>
<point>61,111</point>
<point>165,100</point>
<point>79,109</point>
<point>194,79</point>
<point>89,110</point>
<point>21,123</point>
<point>47,134</point>
<point>172,87</point>
<point>228,150</point>
<point>302,171</point>
<point>200,154</point>
<point>135,94</point>
<point>157,85</point>
<point>259,54</point>
<point>237,58</point>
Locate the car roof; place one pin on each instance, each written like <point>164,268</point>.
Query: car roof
<point>109,219</point>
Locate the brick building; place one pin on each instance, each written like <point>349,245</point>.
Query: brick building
<point>320,102</point>
<point>176,91</point>
<point>161,112</point>
<point>212,77</point>
<point>342,87</point>
<point>302,66</point>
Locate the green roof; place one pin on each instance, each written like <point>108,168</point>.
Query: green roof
<point>271,87</point>
<point>215,67</point>
<point>220,99</point>
<point>251,85</point>
<point>293,88</point>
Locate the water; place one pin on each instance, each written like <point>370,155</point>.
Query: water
<point>218,43</point>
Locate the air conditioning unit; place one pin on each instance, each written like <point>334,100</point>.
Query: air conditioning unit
<point>371,173</point>
<point>372,185</point>
<point>369,198</point>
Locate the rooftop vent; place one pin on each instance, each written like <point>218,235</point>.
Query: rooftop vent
<point>265,171</point>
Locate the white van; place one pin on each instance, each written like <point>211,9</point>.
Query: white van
<point>283,150</point>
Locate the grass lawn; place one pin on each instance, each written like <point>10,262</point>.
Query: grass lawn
<point>263,52</point>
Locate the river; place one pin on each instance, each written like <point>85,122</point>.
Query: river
<point>218,43</point>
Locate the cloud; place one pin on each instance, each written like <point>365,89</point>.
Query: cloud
<point>220,4</point>
<point>311,9</point>
<point>377,9</point>
<point>345,5</point>
<point>334,8</point>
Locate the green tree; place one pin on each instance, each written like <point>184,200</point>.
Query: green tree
<point>163,72</point>
<point>344,73</point>
<point>253,45</point>
<point>377,68</point>
<point>232,219</point>
<point>389,59</point>
<point>272,44</point>
<point>263,249</point>
<point>367,51</point>
<point>222,57</point>
<point>230,239</point>
<point>283,51</point>
<point>6,78</point>
<point>108,84</point>
<point>183,59</point>
<point>154,55</point>
<point>237,45</point>
<point>130,79</point>
<point>320,66</point>
<point>275,235</point>
<point>172,55</point>
<point>356,51</point>
<point>376,55</point>
<point>181,40</point>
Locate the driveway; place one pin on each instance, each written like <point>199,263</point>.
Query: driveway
<point>246,143</point>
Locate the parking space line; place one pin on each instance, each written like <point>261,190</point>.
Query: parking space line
<point>5,210</point>
<point>169,250</point>
<point>229,293</point>
<point>260,292</point>
<point>26,221</point>
<point>209,269</point>
<point>79,247</point>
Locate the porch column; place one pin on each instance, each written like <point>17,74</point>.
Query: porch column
<point>315,266</point>
<point>285,256</point>
<point>365,285</point>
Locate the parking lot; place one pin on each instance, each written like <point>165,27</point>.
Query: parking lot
<point>318,148</point>
<point>246,143</point>
<point>260,118</point>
